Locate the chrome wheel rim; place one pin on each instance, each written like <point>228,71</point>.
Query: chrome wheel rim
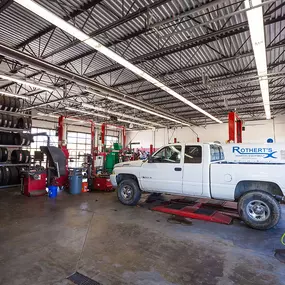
<point>258,210</point>
<point>127,192</point>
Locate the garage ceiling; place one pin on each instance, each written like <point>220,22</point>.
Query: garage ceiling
<point>200,49</point>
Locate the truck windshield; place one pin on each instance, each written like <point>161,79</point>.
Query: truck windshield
<point>217,152</point>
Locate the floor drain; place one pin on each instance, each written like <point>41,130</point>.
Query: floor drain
<point>280,255</point>
<point>80,279</point>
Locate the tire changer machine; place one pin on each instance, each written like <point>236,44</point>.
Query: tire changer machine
<point>35,179</point>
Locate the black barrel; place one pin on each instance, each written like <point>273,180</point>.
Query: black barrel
<point>4,154</point>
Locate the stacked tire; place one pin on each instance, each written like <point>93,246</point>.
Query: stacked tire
<point>11,120</point>
<point>9,175</point>
<point>23,139</point>
<point>3,154</point>
<point>10,104</point>
<point>20,156</point>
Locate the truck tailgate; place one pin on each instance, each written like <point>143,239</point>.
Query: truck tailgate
<point>225,176</point>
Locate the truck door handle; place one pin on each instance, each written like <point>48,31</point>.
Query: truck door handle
<point>177,168</point>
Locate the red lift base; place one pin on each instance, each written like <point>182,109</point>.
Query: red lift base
<point>210,210</point>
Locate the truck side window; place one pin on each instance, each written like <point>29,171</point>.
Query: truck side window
<point>193,154</point>
<point>169,154</point>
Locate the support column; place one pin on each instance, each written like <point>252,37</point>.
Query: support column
<point>93,147</point>
<point>231,119</point>
<point>124,138</point>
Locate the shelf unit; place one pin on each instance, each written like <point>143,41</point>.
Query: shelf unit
<point>19,113</point>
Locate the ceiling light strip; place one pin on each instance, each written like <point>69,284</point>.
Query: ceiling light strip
<point>256,27</point>
<point>86,112</point>
<point>31,84</point>
<point>63,25</point>
<point>14,95</point>
<point>89,106</point>
<point>138,108</point>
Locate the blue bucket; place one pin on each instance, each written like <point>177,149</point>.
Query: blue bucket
<point>52,191</point>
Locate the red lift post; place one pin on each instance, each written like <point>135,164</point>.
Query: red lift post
<point>235,127</point>
<point>63,180</point>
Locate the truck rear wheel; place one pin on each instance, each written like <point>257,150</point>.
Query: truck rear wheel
<point>129,192</point>
<point>259,210</point>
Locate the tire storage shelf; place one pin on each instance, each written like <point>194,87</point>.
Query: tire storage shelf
<point>14,136</point>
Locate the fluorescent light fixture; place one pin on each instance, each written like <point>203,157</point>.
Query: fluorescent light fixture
<point>143,125</point>
<point>119,114</point>
<point>256,27</point>
<point>13,95</point>
<point>63,25</point>
<point>86,112</point>
<point>138,108</point>
<point>47,115</point>
<point>10,78</point>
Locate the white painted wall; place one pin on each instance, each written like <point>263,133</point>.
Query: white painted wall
<point>255,132</point>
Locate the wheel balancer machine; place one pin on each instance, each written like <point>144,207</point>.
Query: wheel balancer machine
<point>35,180</point>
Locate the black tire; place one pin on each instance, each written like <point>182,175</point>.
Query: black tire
<point>4,154</point>
<point>6,176</point>
<point>9,121</point>
<point>17,156</point>
<point>129,192</point>
<point>20,123</point>
<point>12,104</point>
<point>1,176</point>
<point>7,102</point>
<point>14,122</point>
<point>4,122</point>
<point>259,210</point>
<point>2,101</point>
<point>18,105</point>
<point>27,156</point>
<point>9,139</point>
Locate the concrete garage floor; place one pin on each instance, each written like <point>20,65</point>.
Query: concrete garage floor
<point>41,242</point>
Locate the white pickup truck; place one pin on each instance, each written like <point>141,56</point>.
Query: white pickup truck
<point>200,170</point>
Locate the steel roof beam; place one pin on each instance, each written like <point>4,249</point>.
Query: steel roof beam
<point>202,65</point>
<point>80,80</point>
<point>194,42</point>
<point>83,8</point>
<point>110,26</point>
<point>5,4</point>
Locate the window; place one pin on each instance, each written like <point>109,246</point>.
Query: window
<point>216,152</point>
<point>42,140</point>
<point>169,154</point>
<point>193,154</point>
<point>110,140</point>
<point>78,145</point>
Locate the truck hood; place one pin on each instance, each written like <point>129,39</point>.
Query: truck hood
<point>136,163</point>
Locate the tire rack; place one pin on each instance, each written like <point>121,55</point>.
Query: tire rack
<point>8,130</point>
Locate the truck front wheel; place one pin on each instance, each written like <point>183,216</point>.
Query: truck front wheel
<point>259,210</point>
<point>129,192</point>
